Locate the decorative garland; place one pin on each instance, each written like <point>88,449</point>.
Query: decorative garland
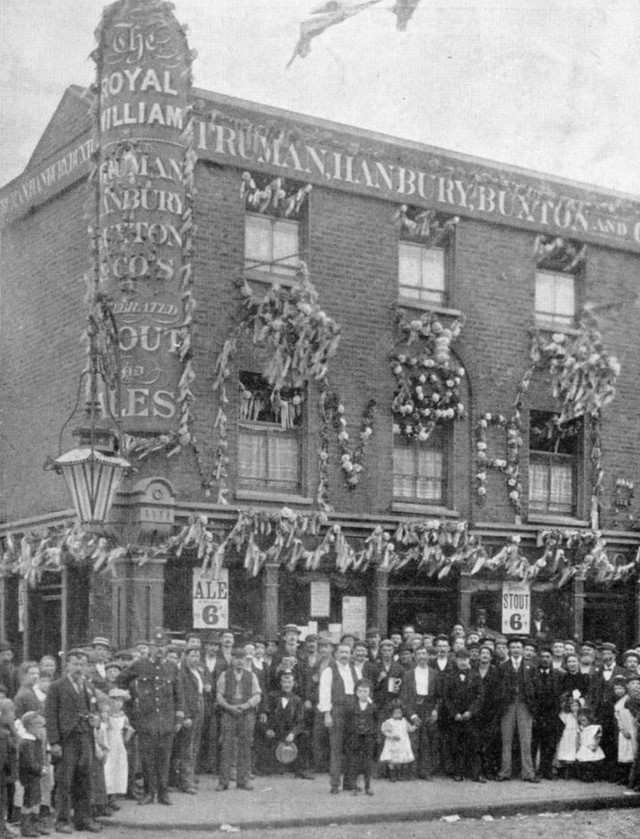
<point>301,339</point>
<point>556,253</point>
<point>583,376</point>
<point>274,197</point>
<point>431,227</point>
<point>622,498</point>
<point>286,537</point>
<point>427,381</point>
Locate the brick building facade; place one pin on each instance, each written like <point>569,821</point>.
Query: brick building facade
<point>386,224</point>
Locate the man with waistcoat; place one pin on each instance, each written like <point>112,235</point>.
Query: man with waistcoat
<point>517,692</point>
<point>238,695</point>
<point>158,712</point>
<point>336,695</point>
<point>420,696</point>
<point>71,716</point>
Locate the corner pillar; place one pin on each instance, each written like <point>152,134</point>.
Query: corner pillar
<point>137,603</point>
<point>464,598</point>
<point>382,601</point>
<point>271,592</point>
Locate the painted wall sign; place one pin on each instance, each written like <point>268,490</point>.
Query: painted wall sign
<point>210,601</point>
<point>143,85</point>
<point>516,608</point>
<point>431,178</point>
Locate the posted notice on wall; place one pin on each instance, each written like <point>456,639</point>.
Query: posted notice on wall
<point>210,600</point>
<point>516,608</point>
<point>354,616</point>
<point>320,598</point>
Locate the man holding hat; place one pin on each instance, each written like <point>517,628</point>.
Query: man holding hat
<point>286,724</point>
<point>158,700</point>
<point>238,695</point>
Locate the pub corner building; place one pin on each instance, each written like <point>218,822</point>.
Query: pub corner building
<point>354,380</point>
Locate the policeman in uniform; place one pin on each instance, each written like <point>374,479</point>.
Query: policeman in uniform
<point>158,711</point>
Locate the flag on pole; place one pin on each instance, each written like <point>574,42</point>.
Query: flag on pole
<point>403,10</point>
<point>323,17</point>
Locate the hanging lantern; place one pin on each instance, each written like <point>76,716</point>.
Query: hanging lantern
<point>94,470</point>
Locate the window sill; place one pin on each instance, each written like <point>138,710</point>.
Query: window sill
<point>284,279</point>
<point>275,497</point>
<point>419,508</point>
<point>424,306</point>
<point>565,521</point>
<point>550,326</point>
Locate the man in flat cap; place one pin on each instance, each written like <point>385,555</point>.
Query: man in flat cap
<point>158,700</point>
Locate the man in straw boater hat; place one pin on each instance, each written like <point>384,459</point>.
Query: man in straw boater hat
<point>100,653</point>
<point>601,700</point>
<point>517,687</point>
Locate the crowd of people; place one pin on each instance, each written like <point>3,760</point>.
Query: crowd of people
<point>78,734</point>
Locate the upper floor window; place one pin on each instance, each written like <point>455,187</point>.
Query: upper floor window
<point>421,273</point>
<point>559,266</point>
<point>419,468</point>
<point>274,210</point>
<point>554,461</point>
<point>424,254</point>
<point>555,298</point>
<point>271,244</point>
<point>269,437</point>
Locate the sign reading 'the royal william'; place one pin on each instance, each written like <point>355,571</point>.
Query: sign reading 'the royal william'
<point>143,85</point>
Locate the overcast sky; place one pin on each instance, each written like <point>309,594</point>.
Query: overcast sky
<point>549,85</point>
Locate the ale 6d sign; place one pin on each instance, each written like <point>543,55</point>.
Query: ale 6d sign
<point>516,608</point>
<point>211,601</point>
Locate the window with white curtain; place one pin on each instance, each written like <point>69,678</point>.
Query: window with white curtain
<point>553,464</point>
<point>419,468</point>
<point>269,437</point>
<point>421,273</point>
<point>271,244</point>
<point>555,300</point>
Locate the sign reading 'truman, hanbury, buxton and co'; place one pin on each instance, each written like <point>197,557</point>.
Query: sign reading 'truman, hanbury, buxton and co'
<point>143,84</point>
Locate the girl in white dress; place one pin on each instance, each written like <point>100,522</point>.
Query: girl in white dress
<point>119,732</point>
<point>627,730</point>
<point>568,744</point>
<point>589,756</point>
<point>397,750</point>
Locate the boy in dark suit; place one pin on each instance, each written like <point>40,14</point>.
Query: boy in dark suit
<point>361,726</point>
<point>285,723</point>
<point>30,763</point>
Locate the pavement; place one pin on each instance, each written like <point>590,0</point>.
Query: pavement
<point>284,801</point>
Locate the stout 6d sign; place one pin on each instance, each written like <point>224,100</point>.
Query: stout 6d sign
<point>516,608</point>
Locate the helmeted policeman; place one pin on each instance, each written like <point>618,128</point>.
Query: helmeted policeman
<point>158,711</point>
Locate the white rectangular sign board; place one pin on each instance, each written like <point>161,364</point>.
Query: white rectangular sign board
<point>210,600</point>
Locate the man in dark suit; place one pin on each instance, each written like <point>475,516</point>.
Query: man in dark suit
<point>285,723</point>
<point>71,715</point>
<point>158,713</point>
<point>209,740</point>
<point>461,704</point>
<point>9,673</point>
<point>517,687</point>
<point>194,682</point>
<point>420,696</point>
<point>601,700</point>
<point>546,723</point>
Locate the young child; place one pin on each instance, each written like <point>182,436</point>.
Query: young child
<point>101,750</point>
<point>568,744</point>
<point>118,733</point>
<point>589,756</point>
<point>361,725</point>
<point>397,751</point>
<point>627,730</point>
<point>30,772</point>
